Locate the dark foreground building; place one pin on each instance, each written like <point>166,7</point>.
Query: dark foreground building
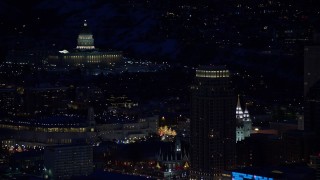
<point>212,123</point>
<point>66,161</point>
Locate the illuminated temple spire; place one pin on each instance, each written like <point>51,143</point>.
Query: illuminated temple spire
<point>239,112</point>
<point>85,38</point>
<point>246,116</point>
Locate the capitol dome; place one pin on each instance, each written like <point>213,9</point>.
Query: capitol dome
<point>85,38</point>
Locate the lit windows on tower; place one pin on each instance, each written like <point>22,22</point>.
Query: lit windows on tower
<point>212,73</point>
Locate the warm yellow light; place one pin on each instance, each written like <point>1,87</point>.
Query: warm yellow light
<point>164,130</point>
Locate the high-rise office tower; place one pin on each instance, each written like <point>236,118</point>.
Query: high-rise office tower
<point>315,163</point>
<point>213,120</point>
<point>311,67</point>
<point>311,121</point>
<point>312,109</point>
<point>66,161</point>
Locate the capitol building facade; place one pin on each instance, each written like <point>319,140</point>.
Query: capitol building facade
<point>85,52</point>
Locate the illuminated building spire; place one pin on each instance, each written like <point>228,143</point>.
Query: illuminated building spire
<point>247,123</point>
<point>238,103</point>
<point>246,116</point>
<point>239,112</point>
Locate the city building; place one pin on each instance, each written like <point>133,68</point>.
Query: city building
<point>264,149</point>
<point>85,52</point>
<point>213,123</point>
<point>311,120</point>
<point>260,150</point>
<point>34,56</point>
<point>283,172</point>
<point>29,161</point>
<point>117,102</point>
<point>315,164</point>
<point>70,129</point>
<point>9,100</point>
<point>173,162</point>
<point>66,161</point>
<point>43,98</point>
<point>282,127</point>
<point>244,123</point>
<point>46,99</point>
<point>312,109</point>
<point>128,132</point>
<point>299,145</point>
<point>311,67</point>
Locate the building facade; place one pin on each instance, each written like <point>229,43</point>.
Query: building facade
<point>85,52</point>
<point>213,121</point>
<point>173,162</point>
<point>64,162</point>
<point>311,67</point>
<point>312,109</point>
<point>55,130</point>
<point>244,123</point>
<point>315,164</point>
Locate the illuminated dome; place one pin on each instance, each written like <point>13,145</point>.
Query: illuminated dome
<point>85,53</point>
<point>85,38</point>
